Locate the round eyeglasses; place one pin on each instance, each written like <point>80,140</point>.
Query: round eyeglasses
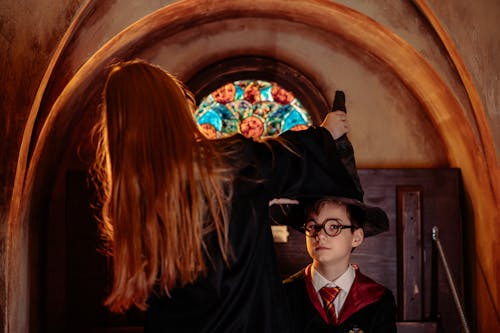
<point>331,227</point>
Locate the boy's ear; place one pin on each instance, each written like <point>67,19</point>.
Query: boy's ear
<point>358,237</point>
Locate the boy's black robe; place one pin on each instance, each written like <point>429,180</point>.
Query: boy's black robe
<point>369,306</point>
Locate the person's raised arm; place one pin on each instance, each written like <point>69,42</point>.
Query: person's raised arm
<point>336,123</point>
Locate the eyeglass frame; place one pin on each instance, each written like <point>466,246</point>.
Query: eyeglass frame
<point>318,227</point>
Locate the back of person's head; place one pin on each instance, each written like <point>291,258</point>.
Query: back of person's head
<point>164,185</point>
<point>147,108</point>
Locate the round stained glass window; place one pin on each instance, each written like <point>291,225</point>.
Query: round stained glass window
<point>254,108</point>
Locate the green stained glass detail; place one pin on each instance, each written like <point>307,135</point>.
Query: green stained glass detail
<point>254,108</point>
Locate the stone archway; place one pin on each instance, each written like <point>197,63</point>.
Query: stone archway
<point>420,78</point>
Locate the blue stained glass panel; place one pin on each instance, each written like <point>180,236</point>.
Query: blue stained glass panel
<point>254,108</point>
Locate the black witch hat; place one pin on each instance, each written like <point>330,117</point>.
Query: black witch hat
<point>374,220</point>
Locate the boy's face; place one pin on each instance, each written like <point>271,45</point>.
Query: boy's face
<point>327,251</point>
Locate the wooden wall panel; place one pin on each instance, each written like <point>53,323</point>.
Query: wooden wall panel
<point>410,254</point>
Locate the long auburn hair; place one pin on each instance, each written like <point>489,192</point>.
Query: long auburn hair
<point>163,185</point>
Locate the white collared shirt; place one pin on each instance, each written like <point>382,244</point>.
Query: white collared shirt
<point>344,282</point>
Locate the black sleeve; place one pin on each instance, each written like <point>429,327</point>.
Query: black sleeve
<point>302,163</point>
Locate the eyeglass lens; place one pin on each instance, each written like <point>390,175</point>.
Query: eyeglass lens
<point>331,227</point>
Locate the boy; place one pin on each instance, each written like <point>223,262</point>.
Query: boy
<point>331,295</point>
<point>335,223</point>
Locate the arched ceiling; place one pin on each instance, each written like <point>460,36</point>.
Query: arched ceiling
<point>463,149</point>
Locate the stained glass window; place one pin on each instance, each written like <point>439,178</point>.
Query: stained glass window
<point>254,108</point>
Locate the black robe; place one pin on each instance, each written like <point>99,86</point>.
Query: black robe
<point>248,295</point>
<point>368,308</point>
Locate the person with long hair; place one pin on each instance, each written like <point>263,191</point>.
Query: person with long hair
<point>184,218</point>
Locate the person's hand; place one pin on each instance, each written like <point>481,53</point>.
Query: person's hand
<point>336,123</point>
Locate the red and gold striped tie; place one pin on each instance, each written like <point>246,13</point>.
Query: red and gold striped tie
<point>328,294</point>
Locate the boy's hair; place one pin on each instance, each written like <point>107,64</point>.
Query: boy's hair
<point>356,215</point>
